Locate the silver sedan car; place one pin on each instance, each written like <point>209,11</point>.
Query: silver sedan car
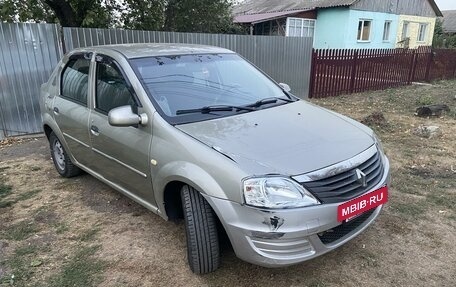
<point>198,133</point>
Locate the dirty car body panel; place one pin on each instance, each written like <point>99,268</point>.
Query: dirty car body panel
<point>209,120</point>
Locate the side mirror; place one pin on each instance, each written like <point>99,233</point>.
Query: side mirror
<point>285,87</point>
<point>124,117</point>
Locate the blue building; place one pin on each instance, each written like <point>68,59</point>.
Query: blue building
<point>343,24</point>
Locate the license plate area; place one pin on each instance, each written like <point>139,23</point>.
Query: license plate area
<point>351,209</point>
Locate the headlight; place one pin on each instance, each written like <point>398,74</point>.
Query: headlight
<point>276,192</point>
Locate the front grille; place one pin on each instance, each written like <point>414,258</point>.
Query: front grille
<point>345,186</point>
<point>345,228</point>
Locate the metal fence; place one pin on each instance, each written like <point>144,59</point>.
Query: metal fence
<point>285,59</point>
<point>28,55</point>
<point>29,52</point>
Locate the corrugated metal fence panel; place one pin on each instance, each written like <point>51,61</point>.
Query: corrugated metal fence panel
<point>285,59</point>
<point>28,55</point>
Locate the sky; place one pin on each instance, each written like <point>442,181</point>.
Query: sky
<point>446,4</point>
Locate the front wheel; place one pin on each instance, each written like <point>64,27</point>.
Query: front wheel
<point>201,229</point>
<point>62,161</point>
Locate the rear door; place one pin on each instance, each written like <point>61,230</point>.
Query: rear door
<point>121,154</point>
<point>70,108</point>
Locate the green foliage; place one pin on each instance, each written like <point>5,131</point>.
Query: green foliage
<point>69,13</point>
<point>209,16</point>
<point>198,16</point>
<point>143,14</point>
<point>441,39</point>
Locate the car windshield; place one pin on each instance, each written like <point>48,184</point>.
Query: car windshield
<point>197,87</point>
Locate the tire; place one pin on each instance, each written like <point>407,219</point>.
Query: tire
<point>62,161</point>
<point>203,249</point>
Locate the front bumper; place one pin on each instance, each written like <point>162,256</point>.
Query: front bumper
<point>275,238</point>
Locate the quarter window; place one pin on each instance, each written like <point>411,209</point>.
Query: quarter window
<point>75,80</point>
<point>299,27</point>
<point>364,29</point>
<point>386,31</point>
<point>112,88</point>
<point>422,33</point>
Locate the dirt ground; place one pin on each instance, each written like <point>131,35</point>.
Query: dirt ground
<point>79,232</point>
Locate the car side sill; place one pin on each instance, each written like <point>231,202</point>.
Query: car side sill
<point>122,190</point>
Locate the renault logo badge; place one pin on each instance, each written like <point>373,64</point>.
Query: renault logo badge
<point>361,177</point>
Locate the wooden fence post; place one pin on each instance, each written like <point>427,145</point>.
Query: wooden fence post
<point>313,73</point>
<point>427,76</point>
<point>353,72</point>
<point>411,77</point>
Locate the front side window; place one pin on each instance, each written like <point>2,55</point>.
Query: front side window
<point>299,27</point>
<point>112,88</point>
<point>186,82</point>
<point>364,30</point>
<point>422,33</point>
<point>75,80</point>
<point>386,31</point>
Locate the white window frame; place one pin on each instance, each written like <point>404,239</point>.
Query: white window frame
<point>362,30</point>
<point>302,20</point>
<point>425,27</point>
<point>388,24</point>
<point>407,31</point>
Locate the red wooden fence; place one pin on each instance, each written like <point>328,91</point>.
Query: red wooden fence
<point>336,72</point>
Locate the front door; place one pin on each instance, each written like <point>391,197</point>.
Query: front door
<point>121,154</point>
<point>70,107</point>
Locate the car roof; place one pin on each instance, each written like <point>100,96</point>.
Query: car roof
<point>131,51</point>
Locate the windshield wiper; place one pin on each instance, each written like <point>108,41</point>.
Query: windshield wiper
<point>268,101</point>
<point>218,108</point>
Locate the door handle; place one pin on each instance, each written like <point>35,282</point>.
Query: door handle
<point>56,110</point>
<point>94,130</point>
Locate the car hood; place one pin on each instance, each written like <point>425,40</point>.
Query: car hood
<point>290,139</point>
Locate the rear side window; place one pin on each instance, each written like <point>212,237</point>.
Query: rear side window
<point>112,88</point>
<point>75,80</point>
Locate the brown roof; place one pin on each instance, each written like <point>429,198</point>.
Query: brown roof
<point>272,6</point>
<point>449,21</point>
<point>263,17</point>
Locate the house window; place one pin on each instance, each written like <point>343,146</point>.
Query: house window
<point>299,27</point>
<point>364,29</point>
<point>386,31</point>
<point>405,30</point>
<point>422,33</point>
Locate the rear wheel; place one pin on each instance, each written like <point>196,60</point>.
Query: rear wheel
<point>201,229</point>
<point>62,161</point>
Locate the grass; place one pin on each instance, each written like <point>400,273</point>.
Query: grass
<point>443,200</point>
<point>61,227</point>
<point>5,190</point>
<point>82,269</point>
<point>19,265</point>
<point>28,195</point>
<point>425,100</point>
<point>409,210</point>
<point>19,231</point>
<point>88,235</point>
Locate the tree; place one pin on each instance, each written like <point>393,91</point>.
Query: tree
<point>442,39</point>
<point>210,16</point>
<point>69,13</point>
<point>143,14</point>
